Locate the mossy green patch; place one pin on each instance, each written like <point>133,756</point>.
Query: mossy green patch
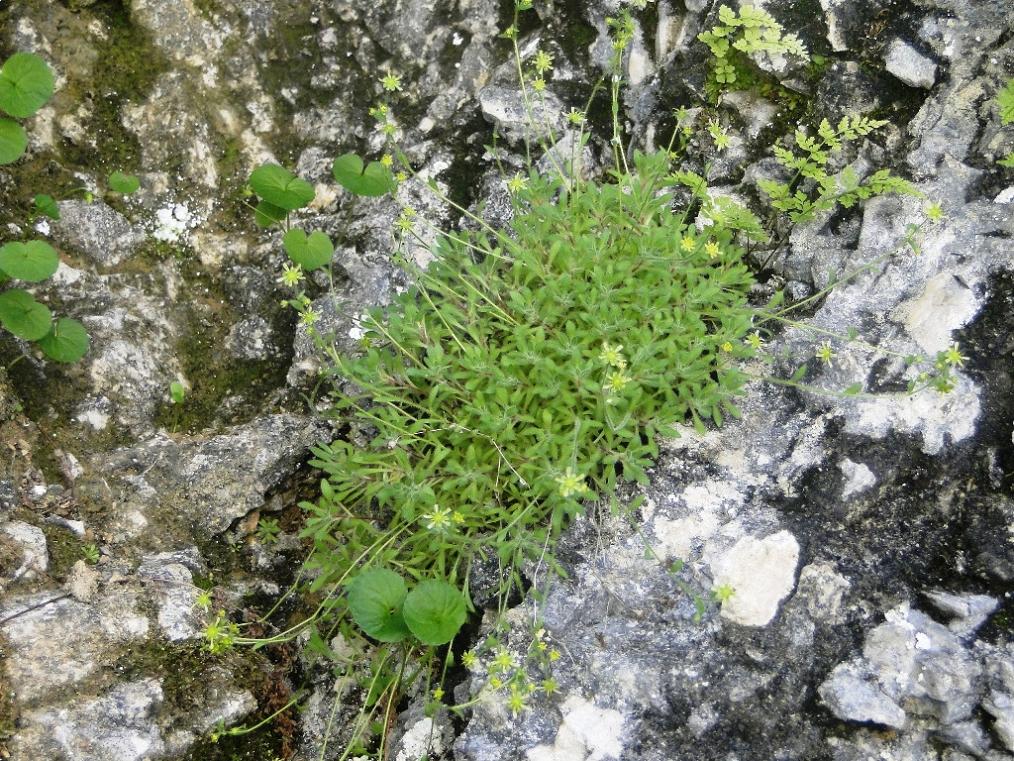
<point>185,671</point>
<point>127,67</point>
<point>65,549</point>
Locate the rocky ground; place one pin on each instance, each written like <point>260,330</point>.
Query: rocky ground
<point>870,540</point>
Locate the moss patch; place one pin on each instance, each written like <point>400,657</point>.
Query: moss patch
<point>127,67</point>
<point>65,549</point>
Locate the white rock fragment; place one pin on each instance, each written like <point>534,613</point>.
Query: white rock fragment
<point>945,305</point>
<point>761,573</point>
<point>173,223</point>
<point>858,477</point>
<point>588,733</point>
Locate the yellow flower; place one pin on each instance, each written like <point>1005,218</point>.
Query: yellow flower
<point>309,317</point>
<point>438,519</point>
<point>438,693</point>
<point>543,62</point>
<point>754,340</point>
<point>571,483</point>
<point>952,356</point>
<point>391,82</point>
<point>688,243</point>
<point>727,346</point>
<point>517,183</point>
<point>825,353</point>
<point>292,275</point>
<point>516,702</point>
<point>616,381</point>
<point>387,160</point>
<point>712,249</point>
<point>613,355</point>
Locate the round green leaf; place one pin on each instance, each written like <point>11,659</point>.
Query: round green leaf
<point>434,612</point>
<point>46,204</point>
<point>23,316</point>
<point>123,183</point>
<point>31,262</point>
<point>26,83</point>
<point>13,141</point>
<point>278,186</point>
<point>375,601</point>
<point>308,251</point>
<point>66,342</point>
<point>374,180</point>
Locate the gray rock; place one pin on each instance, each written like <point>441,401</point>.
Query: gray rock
<point>56,641</point>
<point>967,612</point>
<point>119,726</point>
<point>82,582</point>
<point>762,574</point>
<point>822,590</point>
<point>858,478</point>
<point>852,694</point>
<point>99,232</point>
<point>207,483</point>
<point>506,108</point>
<point>838,15</point>
<point>967,736</point>
<point>250,339</point>
<point>1000,705</point>
<point>31,543</point>
<point>910,665</point>
<point>173,589</point>
<point>910,66</point>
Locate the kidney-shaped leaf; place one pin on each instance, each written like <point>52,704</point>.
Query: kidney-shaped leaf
<point>46,204</point>
<point>125,184</point>
<point>308,251</point>
<point>434,612</point>
<point>13,141</point>
<point>375,602</point>
<point>23,316</point>
<point>66,342</point>
<point>278,186</point>
<point>267,214</point>
<point>26,83</point>
<point>374,180</point>
<point>31,262</point>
